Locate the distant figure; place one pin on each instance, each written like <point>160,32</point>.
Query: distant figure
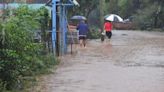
<point>108,29</point>
<point>83,29</point>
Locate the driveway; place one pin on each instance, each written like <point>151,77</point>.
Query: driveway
<point>132,61</point>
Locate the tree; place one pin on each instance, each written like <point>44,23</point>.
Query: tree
<point>112,6</point>
<point>101,8</point>
<point>86,6</point>
<point>150,13</point>
<point>144,12</point>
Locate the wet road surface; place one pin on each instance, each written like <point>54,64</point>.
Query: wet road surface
<point>132,61</point>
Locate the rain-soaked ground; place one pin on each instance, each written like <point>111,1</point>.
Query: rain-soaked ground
<point>133,61</point>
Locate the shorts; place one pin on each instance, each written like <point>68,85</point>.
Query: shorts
<point>109,34</point>
<point>82,37</point>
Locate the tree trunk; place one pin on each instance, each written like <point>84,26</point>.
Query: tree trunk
<point>101,7</point>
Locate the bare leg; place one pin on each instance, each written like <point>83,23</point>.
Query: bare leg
<point>84,42</point>
<point>81,42</point>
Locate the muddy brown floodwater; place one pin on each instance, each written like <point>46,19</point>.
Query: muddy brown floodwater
<point>132,61</point>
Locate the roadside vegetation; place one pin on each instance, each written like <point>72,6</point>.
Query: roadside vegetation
<point>94,33</point>
<point>21,58</point>
<point>145,14</point>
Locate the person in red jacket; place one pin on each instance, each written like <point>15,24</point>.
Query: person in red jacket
<point>108,29</point>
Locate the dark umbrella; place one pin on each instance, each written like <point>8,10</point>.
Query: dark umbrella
<point>78,17</point>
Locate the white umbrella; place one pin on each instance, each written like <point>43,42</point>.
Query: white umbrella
<point>113,17</point>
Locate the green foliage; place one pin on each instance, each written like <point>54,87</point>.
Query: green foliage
<point>43,20</point>
<point>95,33</point>
<point>27,18</point>
<point>146,14</point>
<point>112,7</point>
<point>19,55</point>
<point>150,15</point>
<point>2,86</point>
<point>43,16</point>
<point>86,6</point>
<point>126,8</point>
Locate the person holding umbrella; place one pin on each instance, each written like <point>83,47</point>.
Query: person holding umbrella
<point>83,29</point>
<point>108,25</point>
<point>108,28</point>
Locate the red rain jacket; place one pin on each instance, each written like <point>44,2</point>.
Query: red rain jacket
<point>108,26</point>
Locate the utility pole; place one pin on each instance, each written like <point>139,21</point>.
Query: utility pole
<point>54,25</point>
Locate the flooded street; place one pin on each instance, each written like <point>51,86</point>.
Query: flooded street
<point>132,61</point>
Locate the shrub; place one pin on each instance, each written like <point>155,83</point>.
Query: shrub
<point>2,86</point>
<point>19,55</point>
<point>94,33</point>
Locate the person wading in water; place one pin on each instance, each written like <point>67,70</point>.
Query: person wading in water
<point>83,29</point>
